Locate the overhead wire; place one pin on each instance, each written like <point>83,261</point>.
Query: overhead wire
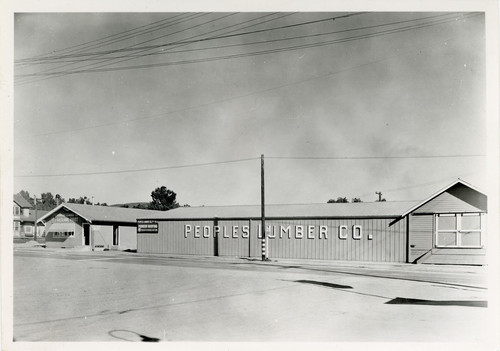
<point>21,81</point>
<point>370,157</point>
<point>322,76</point>
<point>234,161</point>
<point>169,34</point>
<point>243,43</point>
<point>195,36</point>
<point>255,53</point>
<point>136,170</point>
<point>225,36</point>
<point>96,43</point>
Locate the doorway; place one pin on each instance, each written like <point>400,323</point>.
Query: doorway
<point>86,234</point>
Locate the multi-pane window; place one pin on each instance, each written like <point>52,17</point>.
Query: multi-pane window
<point>459,230</point>
<point>17,210</point>
<point>62,234</point>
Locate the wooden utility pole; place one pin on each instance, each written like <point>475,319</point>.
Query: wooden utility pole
<point>262,208</point>
<point>379,195</point>
<point>36,216</point>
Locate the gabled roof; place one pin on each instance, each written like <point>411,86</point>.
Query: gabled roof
<point>31,217</point>
<point>433,196</point>
<point>21,201</point>
<point>95,214</point>
<point>331,210</point>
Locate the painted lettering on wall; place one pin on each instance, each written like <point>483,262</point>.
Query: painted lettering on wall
<point>272,231</point>
<point>66,218</point>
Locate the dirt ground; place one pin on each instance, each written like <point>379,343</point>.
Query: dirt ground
<point>86,296</point>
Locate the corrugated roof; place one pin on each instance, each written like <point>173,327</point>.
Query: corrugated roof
<point>104,213</point>
<point>344,210</point>
<point>21,201</point>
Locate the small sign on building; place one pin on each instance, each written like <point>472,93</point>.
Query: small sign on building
<point>145,226</point>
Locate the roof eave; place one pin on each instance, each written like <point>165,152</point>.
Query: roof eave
<point>433,196</point>
<point>55,210</point>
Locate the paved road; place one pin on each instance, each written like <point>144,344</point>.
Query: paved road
<point>109,296</point>
<point>466,276</point>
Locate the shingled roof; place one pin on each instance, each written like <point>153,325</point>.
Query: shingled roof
<point>21,201</point>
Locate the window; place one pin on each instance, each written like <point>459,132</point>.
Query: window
<point>62,234</point>
<point>17,210</point>
<point>16,226</point>
<point>459,230</point>
<point>28,229</point>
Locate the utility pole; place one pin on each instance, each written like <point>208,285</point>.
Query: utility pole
<point>379,195</point>
<point>36,216</point>
<point>262,208</point>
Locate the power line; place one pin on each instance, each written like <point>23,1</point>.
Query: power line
<point>77,59</point>
<point>167,50</point>
<point>323,76</point>
<point>99,42</point>
<point>62,73</point>
<point>143,49</point>
<point>372,157</point>
<point>135,170</point>
<point>420,185</point>
<point>22,81</point>
<point>203,39</point>
<point>243,55</point>
<point>235,161</point>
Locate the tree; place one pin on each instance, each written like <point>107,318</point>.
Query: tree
<point>339,200</point>
<point>356,199</point>
<point>82,200</point>
<point>47,202</point>
<point>163,199</point>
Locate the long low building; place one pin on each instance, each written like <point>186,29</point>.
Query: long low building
<point>449,227</point>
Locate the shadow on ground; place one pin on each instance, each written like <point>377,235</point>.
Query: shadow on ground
<point>328,285</point>
<point>406,301</point>
<point>128,335</point>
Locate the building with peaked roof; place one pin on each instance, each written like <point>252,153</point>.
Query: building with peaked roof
<point>92,227</point>
<point>449,227</point>
<point>24,219</point>
<point>20,210</point>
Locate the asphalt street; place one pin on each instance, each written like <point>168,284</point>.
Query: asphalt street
<point>64,295</point>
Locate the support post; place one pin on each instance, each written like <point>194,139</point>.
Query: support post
<point>262,207</point>
<point>36,216</point>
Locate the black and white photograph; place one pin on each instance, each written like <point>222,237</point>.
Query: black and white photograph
<point>242,177</point>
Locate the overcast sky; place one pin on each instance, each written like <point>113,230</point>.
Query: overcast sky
<point>341,104</point>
